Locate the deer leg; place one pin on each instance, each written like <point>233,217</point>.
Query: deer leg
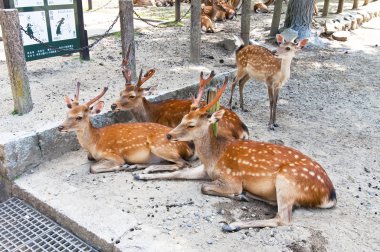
<point>198,172</point>
<point>169,154</point>
<point>157,168</point>
<point>238,77</point>
<point>285,200</point>
<point>230,189</point>
<point>242,82</point>
<point>271,97</point>
<point>106,166</point>
<point>274,109</point>
<point>90,157</point>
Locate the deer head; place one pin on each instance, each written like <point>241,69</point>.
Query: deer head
<point>133,94</point>
<point>78,115</point>
<point>287,49</point>
<point>196,123</point>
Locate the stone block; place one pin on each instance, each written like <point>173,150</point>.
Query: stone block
<point>341,35</point>
<point>18,153</point>
<point>54,144</point>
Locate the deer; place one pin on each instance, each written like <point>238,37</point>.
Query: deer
<point>123,146</point>
<point>207,23</point>
<point>247,169</point>
<point>169,112</point>
<point>263,7</point>
<point>254,61</point>
<point>216,11</point>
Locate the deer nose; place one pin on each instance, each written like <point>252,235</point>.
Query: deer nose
<point>113,106</point>
<point>168,136</point>
<point>60,128</point>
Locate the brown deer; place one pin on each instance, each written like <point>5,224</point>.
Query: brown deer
<point>263,7</point>
<point>170,112</point>
<point>207,23</point>
<point>215,12</point>
<point>120,146</point>
<point>244,169</point>
<point>254,61</point>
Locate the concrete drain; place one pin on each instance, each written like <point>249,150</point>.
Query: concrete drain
<point>22,228</point>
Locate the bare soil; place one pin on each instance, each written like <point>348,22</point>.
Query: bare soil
<point>329,110</point>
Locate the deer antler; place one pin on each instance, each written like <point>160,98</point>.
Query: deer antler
<point>76,96</point>
<point>127,73</point>
<point>147,76</point>
<point>202,84</point>
<point>97,97</point>
<point>217,96</point>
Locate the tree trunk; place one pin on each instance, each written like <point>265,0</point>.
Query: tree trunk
<point>245,21</point>
<point>195,32</point>
<point>299,16</point>
<point>340,6</point>
<point>325,8</point>
<point>15,58</point>
<point>127,32</point>
<point>355,4</point>
<point>177,10</point>
<point>276,18</point>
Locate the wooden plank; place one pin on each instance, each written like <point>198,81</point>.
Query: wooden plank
<point>15,58</point>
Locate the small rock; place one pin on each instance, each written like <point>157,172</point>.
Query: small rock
<point>244,208</point>
<point>101,64</point>
<point>341,35</point>
<point>229,44</point>
<point>209,242</point>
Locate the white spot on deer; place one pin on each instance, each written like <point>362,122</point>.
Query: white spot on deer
<point>291,164</point>
<point>296,156</point>
<point>311,173</point>
<point>306,188</point>
<point>305,169</point>
<point>228,171</point>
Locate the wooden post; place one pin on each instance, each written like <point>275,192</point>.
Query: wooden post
<point>355,5</point>
<point>127,31</point>
<point>340,6</point>
<point>245,21</point>
<point>325,8</point>
<point>276,18</point>
<point>84,54</point>
<point>14,54</point>
<point>195,32</point>
<point>90,4</point>
<point>177,10</point>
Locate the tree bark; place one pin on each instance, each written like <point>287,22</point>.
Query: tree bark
<point>127,32</point>
<point>355,5</point>
<point>276,18</point>
<point>326,5</point>
<point>340,6</point>
<point>195,32</point>
<point>15,58</point>
<point>177,10</point>
<point>245,21</point>
<point>299,16</point>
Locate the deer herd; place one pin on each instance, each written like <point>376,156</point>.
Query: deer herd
<point>169,135</point>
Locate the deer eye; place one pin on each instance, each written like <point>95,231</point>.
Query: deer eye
<point>190,126</point>
<point>132,97</point>
<point>78,118</point>
<point>288,48</point>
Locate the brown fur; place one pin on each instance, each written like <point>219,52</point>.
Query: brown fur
<point>207,23</point>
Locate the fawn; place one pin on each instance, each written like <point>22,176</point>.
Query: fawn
<point>118,146</point>
<point>214,11</point>
<point>254,61</point>
<point>207,23</point>
<point>244,169</point>
<point>170,112</point>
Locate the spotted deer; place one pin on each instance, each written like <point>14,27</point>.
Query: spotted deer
<point>254,61</point>
<point>170,112</point>
<point>122,146</point>
<point>216,11</point>
<point>245,169</point>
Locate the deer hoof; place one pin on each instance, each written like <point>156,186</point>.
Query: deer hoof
<point>242,197</point>
<point>245,110</point>
<point>137,176</point>
<point>228,228</point>
<point>276,125</point>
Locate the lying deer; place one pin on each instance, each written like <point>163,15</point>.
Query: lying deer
<point>207,23</point>
<point>254,61</point>
<point>243,169</point>
<point>215,12</point>
<point>169,112</point>
<point>118,146</point>
<point>263,7</point>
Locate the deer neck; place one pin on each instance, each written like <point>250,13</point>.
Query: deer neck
<point>142,112</point>
<point>285,67</point>
<point>87,137</point>
<point>209,148</point>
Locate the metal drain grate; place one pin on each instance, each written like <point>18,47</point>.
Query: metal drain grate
<point>22,228</point>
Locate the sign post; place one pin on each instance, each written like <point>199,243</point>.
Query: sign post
<point>57,24</point>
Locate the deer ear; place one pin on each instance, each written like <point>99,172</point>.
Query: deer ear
<point>280,39</point>
<point>302,43</point>
<point>97,108</point>
<point>216,116</point>
<point>68,102</point>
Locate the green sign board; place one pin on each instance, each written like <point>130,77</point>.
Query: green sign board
<point>54,22</point>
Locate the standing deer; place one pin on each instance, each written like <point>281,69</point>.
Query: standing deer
<point>258,62</point>
<point>170,112</point>
<point>118,146</point>
<point>242,169</point>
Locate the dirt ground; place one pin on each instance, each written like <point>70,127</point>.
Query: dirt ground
<point>329,110</point>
